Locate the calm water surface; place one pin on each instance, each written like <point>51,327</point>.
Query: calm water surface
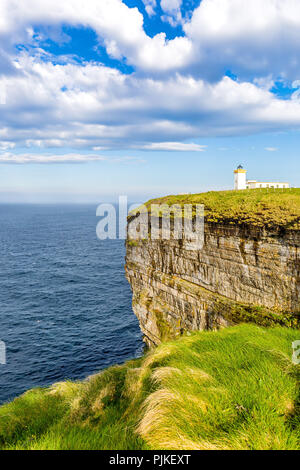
<point>65,305</point>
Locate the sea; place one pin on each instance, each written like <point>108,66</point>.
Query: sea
<point>65,305</point>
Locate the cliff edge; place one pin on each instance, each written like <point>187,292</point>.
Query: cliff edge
<point>248,268</point>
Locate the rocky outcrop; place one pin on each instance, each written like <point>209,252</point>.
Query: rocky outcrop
<point>240,274</point>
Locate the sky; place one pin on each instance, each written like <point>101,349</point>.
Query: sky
<point>100,98</point>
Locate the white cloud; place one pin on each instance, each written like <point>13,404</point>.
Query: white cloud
<point>175,146</point>
<point>178,92</point>
<point>267,83</point>
<point>271,149</point>
<point>11,158</point>
<point>6,145</point>
<point>120,27</point>
<point>92,106</point>
<point>150,6</point>
<point>252,38</point>
<point>172,8</point>
<point>8,157</point>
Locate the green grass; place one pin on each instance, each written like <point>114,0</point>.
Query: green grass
<point>232,389</point>
<point>271,208</point>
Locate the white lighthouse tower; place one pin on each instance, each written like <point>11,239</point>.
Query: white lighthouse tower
<point>240,181</point>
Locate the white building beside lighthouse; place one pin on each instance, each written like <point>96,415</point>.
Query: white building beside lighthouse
<point>241,182</point>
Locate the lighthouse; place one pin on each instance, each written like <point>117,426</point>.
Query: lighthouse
<point>240,181</point>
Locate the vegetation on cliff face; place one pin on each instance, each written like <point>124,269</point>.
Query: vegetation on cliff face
<point>232,389</point>
<point>270,208</point>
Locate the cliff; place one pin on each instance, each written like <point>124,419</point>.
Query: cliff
<point>247,270</point>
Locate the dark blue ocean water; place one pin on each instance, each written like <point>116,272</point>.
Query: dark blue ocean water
<point>65,305</point>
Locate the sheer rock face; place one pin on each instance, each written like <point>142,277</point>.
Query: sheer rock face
<point>240,274</point>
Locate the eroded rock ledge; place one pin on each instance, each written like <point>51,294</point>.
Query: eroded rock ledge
<point>240,274</point>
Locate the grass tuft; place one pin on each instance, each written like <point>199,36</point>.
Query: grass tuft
<point>232,389</point>
<point>256,208</point>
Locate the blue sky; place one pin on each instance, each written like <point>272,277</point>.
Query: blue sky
<point>146,97</point>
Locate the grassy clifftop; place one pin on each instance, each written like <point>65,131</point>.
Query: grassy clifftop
<point>232,389</point>
<point>271,208</point>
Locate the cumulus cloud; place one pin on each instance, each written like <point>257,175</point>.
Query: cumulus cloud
<point>120,28</point>
<point>150,6</point>
<point>90,106</point>
<point>172,9</point>
<point>178,92</point>
<point>250,38</point>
